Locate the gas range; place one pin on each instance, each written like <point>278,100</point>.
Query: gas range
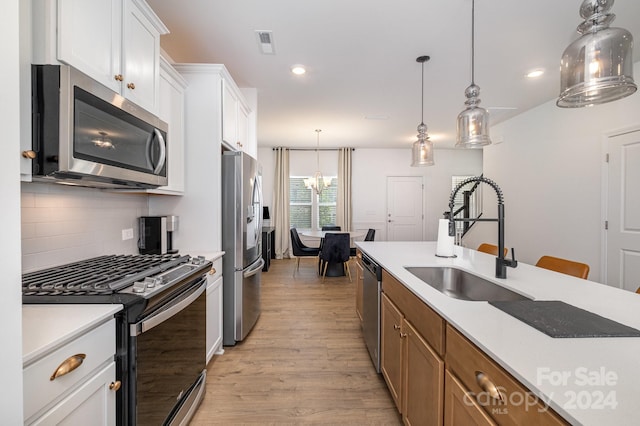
<point>125,279</point>
<point>161,328</point>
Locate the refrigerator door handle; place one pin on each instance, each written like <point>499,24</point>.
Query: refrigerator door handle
<point>255,269</point>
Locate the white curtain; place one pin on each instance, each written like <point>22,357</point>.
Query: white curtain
<point>343,203</point>
<point>281,204</point>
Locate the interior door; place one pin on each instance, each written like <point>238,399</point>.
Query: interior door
<point>623,212</point>
<point>404,208</point>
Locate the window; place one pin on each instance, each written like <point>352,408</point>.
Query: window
<point>308,210</point>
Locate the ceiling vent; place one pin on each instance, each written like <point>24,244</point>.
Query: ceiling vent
<point>265,41</point>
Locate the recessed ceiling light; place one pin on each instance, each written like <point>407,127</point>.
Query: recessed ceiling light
<point>535,73</point>
<point>298,69</point>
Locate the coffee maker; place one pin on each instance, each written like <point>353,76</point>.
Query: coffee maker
<point>156,234</point>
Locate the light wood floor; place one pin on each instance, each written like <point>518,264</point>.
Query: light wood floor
<point>305,361</point>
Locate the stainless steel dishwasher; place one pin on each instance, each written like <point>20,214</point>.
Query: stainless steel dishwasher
<point>371,289</point>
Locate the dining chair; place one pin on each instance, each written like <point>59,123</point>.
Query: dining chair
<point>301,250</point>
<point>491,249</point>
<point>564,266</point>
<point>371,234</point>
<point>638,290</point>
<point>331,228</point>
<point>335,250</point>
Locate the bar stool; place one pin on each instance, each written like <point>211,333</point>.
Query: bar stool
<point>491,249</point>
<point>564,266</point>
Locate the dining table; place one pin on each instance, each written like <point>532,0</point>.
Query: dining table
<point>333,269</point>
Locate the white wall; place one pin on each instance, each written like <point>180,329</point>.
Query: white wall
<point>370,170</point>
<point>550,168</point>
<point>11,300</point>
<point>62,224</point>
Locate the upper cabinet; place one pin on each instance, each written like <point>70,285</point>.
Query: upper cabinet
<point>236,119</point>
<point>116,42</point>
<point>172,88</point>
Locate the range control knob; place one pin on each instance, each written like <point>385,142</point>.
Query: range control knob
<point>200,260</point>
<point>139,287</point>
<point>151,282</point>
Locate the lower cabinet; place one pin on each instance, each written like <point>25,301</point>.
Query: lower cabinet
<point>214,310</point>
<point>437,376</point>
<point>460,408</point>
<point>93,403</point>
<point>75,384</point>
<point>413,370</point>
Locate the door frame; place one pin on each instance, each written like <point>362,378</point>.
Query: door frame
<point>604,204</point>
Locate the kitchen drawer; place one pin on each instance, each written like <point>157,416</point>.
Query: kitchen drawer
<point>99,346</point>
<point>426,321</point>
<point>518,406</point>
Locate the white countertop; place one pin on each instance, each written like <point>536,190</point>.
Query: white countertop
<point>611,365</point>
<point>47,327</point>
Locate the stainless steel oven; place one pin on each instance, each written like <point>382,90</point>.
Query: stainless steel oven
<point>160,339</point>
<point>169,345</point>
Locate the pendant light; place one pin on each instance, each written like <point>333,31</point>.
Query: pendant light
<point>318,183</point>
<point>597,67</point>
<point>473,122</point>
<point>422,150</point>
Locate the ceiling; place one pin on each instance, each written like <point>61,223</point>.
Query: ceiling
<point>363,84</point>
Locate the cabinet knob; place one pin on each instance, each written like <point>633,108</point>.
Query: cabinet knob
<point>403,335</point>
<point>488,386</point>
<point>68,365</point>
<point>29,154</point>
<point>131,86</point>
<point>118,77</point>
<point>396,327</point>
<point>114,386</point>
<point>212,271</point>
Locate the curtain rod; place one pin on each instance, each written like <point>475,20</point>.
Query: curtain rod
<point>310,149</point>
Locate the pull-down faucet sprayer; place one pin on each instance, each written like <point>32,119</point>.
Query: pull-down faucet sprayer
<point>501,262</point>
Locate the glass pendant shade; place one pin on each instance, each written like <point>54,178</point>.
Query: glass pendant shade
<point>422,150</point>
<point>598,67</point>
<point>473,122</point>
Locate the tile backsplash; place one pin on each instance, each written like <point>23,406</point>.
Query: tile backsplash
<point>62,224</point>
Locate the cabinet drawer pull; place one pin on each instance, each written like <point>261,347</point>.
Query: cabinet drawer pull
<point>29,154</point>
<point>118,77</point>
<point>212,271</point>
<point>114,386</point>
<point>68,365</point>
<point>396,327</point>
<point>131,86</point>
<point>488,386</point>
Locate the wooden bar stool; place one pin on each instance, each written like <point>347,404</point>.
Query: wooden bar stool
<point>564,266</point>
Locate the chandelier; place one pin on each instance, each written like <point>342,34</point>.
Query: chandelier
<point>318,182</point>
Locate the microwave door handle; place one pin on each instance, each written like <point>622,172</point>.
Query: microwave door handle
<point>163,151</point>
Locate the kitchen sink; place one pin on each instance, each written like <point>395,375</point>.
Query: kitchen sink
<point>463,285</point>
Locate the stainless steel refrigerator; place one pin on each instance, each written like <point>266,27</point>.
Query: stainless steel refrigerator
<point>241,240</point>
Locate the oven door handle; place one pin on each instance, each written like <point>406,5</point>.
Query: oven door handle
<point>157,319</point>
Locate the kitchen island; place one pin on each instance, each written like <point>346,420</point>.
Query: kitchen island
<point>585,380</point>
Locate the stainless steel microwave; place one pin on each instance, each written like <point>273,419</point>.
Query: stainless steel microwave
<point>86,134</point>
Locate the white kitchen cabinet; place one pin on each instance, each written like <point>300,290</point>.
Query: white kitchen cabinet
<point>86,394</point>
<point>214,310</point>
<point>199,207</point>
<point>235,119</point>
<point>116,42</point>
<point>172,87</point>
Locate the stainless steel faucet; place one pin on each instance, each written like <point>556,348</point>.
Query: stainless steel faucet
<point>501,262</point>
